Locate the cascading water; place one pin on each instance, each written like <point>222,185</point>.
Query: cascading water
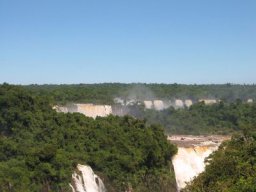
<point>89,110</point>
<point>189,162</point>
<point>192,151</point>
<point>84,180</point>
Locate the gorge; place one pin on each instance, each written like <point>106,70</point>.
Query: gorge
<point>41,148</point>
<point>187,163</point>
<point>192,150</point>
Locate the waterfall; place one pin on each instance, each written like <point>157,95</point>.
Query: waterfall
<point>85,180</point>
<point>89,110</point>
<point>192,151</point>
<point>189,162</point>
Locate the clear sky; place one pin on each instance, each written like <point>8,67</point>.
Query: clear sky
<point>158,41</point>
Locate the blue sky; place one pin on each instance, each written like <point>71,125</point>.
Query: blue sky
<point>152,41</point>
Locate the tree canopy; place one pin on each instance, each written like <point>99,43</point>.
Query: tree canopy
<point>220,118</point>
<point>39,148</point>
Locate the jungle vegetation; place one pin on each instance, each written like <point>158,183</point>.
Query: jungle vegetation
<point>40,148</point>
<point>220,118</point>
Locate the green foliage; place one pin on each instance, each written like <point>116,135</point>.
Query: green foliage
<point>231,169</point>
<point>40,148</point>
<point>221,118</point>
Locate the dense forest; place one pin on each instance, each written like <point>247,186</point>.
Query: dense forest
<point>106,92</point>
<point>220,118</point>
<point>232,168</point>
<point>39,148</point>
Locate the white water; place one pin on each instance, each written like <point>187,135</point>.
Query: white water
<point>188,102</point>
<point>192,151</point>
<point>89,110</point>
<point>189,162</point>
<point>84,180</point>
<point>208,101</point>
<point>179,103</point>
<point>158,105</point>
<point>148,104</point>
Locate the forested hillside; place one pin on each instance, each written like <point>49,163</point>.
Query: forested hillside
<point>40,148</point>
<point>232,168</point>
<point>221,118</point>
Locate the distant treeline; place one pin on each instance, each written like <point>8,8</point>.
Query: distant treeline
<point>220,118</point>
<point>106,92</point>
